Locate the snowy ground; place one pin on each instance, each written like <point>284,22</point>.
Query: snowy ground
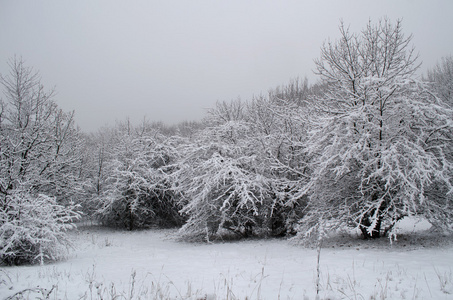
<point>109,264</point>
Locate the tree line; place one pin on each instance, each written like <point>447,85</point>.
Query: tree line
<point>367,145</point>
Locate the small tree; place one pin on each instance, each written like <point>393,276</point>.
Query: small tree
<point>39,169</point>
<point>136,191</point>
<point>380,138</point>
<point>279,133</point>
<point>219,184</point>
<point>36,233</point>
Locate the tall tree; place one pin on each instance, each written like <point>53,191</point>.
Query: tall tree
<point>39,168</point>
<point>380,138</point>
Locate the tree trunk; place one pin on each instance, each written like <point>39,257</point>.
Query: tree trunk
<point>375,232</point>
<point>367,222</point>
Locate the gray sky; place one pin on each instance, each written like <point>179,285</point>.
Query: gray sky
<point>171,60</point>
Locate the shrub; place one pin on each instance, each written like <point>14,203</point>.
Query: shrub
<point>32,229</point>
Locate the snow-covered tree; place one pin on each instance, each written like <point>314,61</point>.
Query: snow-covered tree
<point>441,76</point>
<point>135,189</point>
<point>278,134</point>
<point>380,138</point>
<point>220,183</point>
<point>241,172</point>
<point>33,228</point>
<point>39,168</point>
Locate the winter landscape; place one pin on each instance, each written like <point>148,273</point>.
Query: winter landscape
<point>151,264</point>
<point>340,189</point>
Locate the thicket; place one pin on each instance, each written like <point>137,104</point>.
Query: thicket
<point>366,146</point>
<point>130,178</point>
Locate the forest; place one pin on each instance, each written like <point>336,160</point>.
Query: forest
<point>367,145</point>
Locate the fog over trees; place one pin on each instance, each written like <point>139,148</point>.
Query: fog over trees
<point>367,145</point>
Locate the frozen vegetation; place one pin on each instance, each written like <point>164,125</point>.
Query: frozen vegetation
<point>310,191</point>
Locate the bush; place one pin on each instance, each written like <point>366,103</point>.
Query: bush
<point>32,229</point>
<point>134,188</point>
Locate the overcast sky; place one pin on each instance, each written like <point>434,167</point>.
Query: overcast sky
<point>171,60</point>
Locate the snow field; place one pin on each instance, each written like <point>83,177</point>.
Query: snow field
<point>107,264</point>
